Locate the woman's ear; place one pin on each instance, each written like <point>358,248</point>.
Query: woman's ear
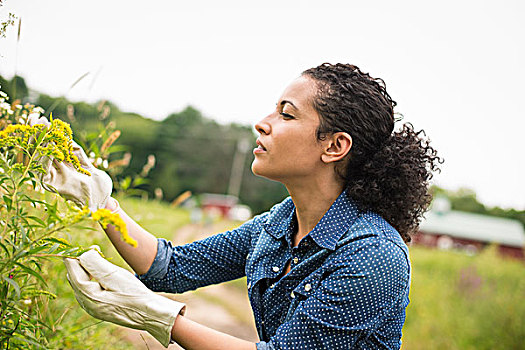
<point>337,147</point>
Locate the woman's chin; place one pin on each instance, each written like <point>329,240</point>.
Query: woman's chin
<point>262,171</point>
<point>257,168</point>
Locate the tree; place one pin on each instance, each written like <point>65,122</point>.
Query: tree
<point>15,88</point>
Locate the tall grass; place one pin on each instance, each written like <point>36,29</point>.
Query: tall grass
<point>465,302</point>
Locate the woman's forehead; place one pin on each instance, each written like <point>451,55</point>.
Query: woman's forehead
<point>299,93</point>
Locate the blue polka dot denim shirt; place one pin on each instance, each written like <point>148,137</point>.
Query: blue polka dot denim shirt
<point>347,288</point>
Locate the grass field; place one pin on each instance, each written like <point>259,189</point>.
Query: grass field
<point>465,302</point>
<point>457,301</point>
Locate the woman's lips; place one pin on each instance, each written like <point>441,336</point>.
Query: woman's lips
<point>260,148</point>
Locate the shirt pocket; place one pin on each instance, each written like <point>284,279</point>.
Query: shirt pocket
<point>302,291</point>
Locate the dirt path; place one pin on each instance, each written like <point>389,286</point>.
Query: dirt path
<point>223,307</point>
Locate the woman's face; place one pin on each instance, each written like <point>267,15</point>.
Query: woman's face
<point>288,148</point>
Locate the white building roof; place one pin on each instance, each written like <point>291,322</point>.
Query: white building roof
<point>474,227</point>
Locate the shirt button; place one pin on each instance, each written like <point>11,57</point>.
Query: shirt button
<point>292,295</point>
<point>295,260</point>
<point>272,285</point>
<point>308,287</point>
<point>275,269</point>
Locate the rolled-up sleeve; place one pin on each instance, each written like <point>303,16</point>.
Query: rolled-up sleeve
<point>159,267</point>
<point>350,306</point>
<point>219,258</point>
<point>264,346</point>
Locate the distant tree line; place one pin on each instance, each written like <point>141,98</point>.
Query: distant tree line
<point>192,152</point>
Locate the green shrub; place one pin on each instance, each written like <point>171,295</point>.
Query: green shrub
<point>34,226</point>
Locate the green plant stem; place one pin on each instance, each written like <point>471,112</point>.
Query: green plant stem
<point>18,183</point>
<point>59,228</point>
<point>54,256</point>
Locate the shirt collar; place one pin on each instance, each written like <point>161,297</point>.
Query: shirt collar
<point>334,223</point>
<point>280,219</point>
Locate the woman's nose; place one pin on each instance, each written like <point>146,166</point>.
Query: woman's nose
<point>263,126</point>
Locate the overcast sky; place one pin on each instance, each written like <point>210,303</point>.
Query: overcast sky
<point>456,68</point>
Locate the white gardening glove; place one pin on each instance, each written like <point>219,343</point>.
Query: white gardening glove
<point>117,296</point>
<point>93,191</point>
<point>63,178</point>
<point>35,118</point>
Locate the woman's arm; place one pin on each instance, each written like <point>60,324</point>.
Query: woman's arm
<point>113,294</point>
<point>192,335</point>
<point>163,267</point>
<point>140,258</point>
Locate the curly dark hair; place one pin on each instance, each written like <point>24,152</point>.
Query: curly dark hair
<point>386,172</point>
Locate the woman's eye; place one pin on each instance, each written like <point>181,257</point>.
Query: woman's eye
<point>287,116</point>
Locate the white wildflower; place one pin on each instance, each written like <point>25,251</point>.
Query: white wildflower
<point>34,115</point>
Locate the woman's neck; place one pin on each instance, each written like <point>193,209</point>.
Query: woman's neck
<point>311,202</point>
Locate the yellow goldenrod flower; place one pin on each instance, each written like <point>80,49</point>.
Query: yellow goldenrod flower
<point>81,214</point>
<point>57,141</point>
<point>105,217</point>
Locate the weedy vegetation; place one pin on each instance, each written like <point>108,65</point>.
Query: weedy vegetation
<point>35,226</point>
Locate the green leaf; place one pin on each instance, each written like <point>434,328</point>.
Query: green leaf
<point>38,220</point>
<point>19,254</point>
<point>81,227</point>
<point>24,233</point>
<point>33,292</point>
<point>23,180</point>
<point>56,240</point>
<point>8,201</point>
<point>4,248</point>
<point>14,284</point>
<point>29,341</point>
<point>125,183</point>
<point>53,248</point>
<point>36,249</point>
<point>117,148</point>
<point>139,181</point>
<point>31,272</point>
<point>3,179</point>
<point>40,137</point>
<point>71,252</point>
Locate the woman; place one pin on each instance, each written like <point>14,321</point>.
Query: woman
<point>328,268</point>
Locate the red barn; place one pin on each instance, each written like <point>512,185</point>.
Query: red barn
<point>220,203</point>
<point>449,229</point>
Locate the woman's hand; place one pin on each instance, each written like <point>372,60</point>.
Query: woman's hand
<point>85,190</point>
<point>112,294</point>
<point>62,177</point>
